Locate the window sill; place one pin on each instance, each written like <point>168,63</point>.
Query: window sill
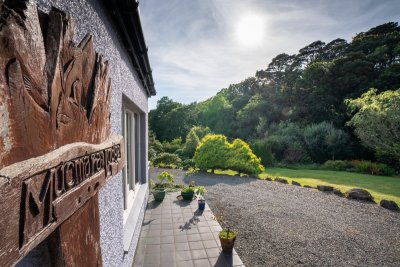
<point>133,217</point>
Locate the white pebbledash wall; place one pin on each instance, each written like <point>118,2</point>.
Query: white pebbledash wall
<point>118,243</point>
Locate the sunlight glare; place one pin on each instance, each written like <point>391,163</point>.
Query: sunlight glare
<point>250,30</point>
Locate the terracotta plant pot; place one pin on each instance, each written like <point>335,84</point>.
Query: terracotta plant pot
<point>159,195</point>
<point>227,244</point>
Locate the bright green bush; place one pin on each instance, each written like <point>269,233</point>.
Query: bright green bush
<point>376,121</point>
<point>165,159</point>
<point>242,159</point>
<point>212,153</point>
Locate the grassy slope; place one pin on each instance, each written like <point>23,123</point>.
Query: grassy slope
<point>381,187</point>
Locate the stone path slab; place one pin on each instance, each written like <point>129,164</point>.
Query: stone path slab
<point>175,233</point>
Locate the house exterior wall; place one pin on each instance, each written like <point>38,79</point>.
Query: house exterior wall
<point>117,244</point>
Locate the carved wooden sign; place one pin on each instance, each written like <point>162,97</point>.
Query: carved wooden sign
<point>49,189</point>
<point>55,145</point>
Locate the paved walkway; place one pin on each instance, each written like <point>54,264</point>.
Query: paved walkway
<point>176,233</point>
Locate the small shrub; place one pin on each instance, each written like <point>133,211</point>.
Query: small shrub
<point>337,165</point>
<point>167,166</point>
<point>373,168</point>
<point>165,181</point>
<point>192,142</point>
<point>173,146</point>
<point>155,147</point>
<point>166,159</point>
<point>191,188</point>
<point>187,164</point>
<point>180,153</point>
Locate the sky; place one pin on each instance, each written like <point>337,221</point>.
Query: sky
<point>198,47</point>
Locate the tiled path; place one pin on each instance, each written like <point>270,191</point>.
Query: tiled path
<point>176,233</point>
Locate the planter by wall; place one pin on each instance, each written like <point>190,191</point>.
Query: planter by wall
<point>227,244</point>
<point>159,195</point>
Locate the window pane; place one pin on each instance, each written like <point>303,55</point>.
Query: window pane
<point>137,150</point>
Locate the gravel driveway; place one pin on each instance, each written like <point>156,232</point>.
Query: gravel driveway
<point>285,225</point>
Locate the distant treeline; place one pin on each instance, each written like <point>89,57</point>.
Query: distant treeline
<point>295,110</point>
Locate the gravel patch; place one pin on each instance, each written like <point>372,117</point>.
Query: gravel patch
<point>285,225</point>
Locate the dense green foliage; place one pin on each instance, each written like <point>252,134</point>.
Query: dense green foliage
<point>295,108</point>
<point>377,121</point>
<point>193,140</point>
<point>324,142</point>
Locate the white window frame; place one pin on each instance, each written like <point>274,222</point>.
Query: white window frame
<point>132,175</point>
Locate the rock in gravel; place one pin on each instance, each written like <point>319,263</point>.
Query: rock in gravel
<point>359,194</point>
<point>296,183</point>
<point>389,204</point>
<point>325,188</point>
<point>281,180</point>
<point>338,192</point>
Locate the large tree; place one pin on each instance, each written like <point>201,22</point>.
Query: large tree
<point>172,119</point>
<point>377,121</point>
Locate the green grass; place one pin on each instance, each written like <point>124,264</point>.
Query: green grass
<point>381,187</point>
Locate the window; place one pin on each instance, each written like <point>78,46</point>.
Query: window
<point>132,171</point>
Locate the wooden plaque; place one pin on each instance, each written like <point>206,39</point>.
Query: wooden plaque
<point>56,151</point>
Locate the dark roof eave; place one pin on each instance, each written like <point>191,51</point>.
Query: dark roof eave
<point>125,14</point>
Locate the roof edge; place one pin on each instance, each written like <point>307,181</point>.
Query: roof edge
<point>125,14</point>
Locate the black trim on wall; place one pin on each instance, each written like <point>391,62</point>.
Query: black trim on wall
<point>125,14</point>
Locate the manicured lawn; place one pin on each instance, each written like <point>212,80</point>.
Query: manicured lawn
<point>381,187</point>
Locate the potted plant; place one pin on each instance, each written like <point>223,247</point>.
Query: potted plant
<point>226,236</point>
<point>201,192</point>
<point>166,180</point>
<point>187,192</point>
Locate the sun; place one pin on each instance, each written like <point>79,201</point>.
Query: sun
<point>250,30</point>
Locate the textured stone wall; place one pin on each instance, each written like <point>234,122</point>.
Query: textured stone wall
<point>90,17</point>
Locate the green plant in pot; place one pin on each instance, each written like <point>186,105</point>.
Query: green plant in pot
<point>201,192</point>
<point>226,236</point>
<point>187,192</point>
<point>165,181</point>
